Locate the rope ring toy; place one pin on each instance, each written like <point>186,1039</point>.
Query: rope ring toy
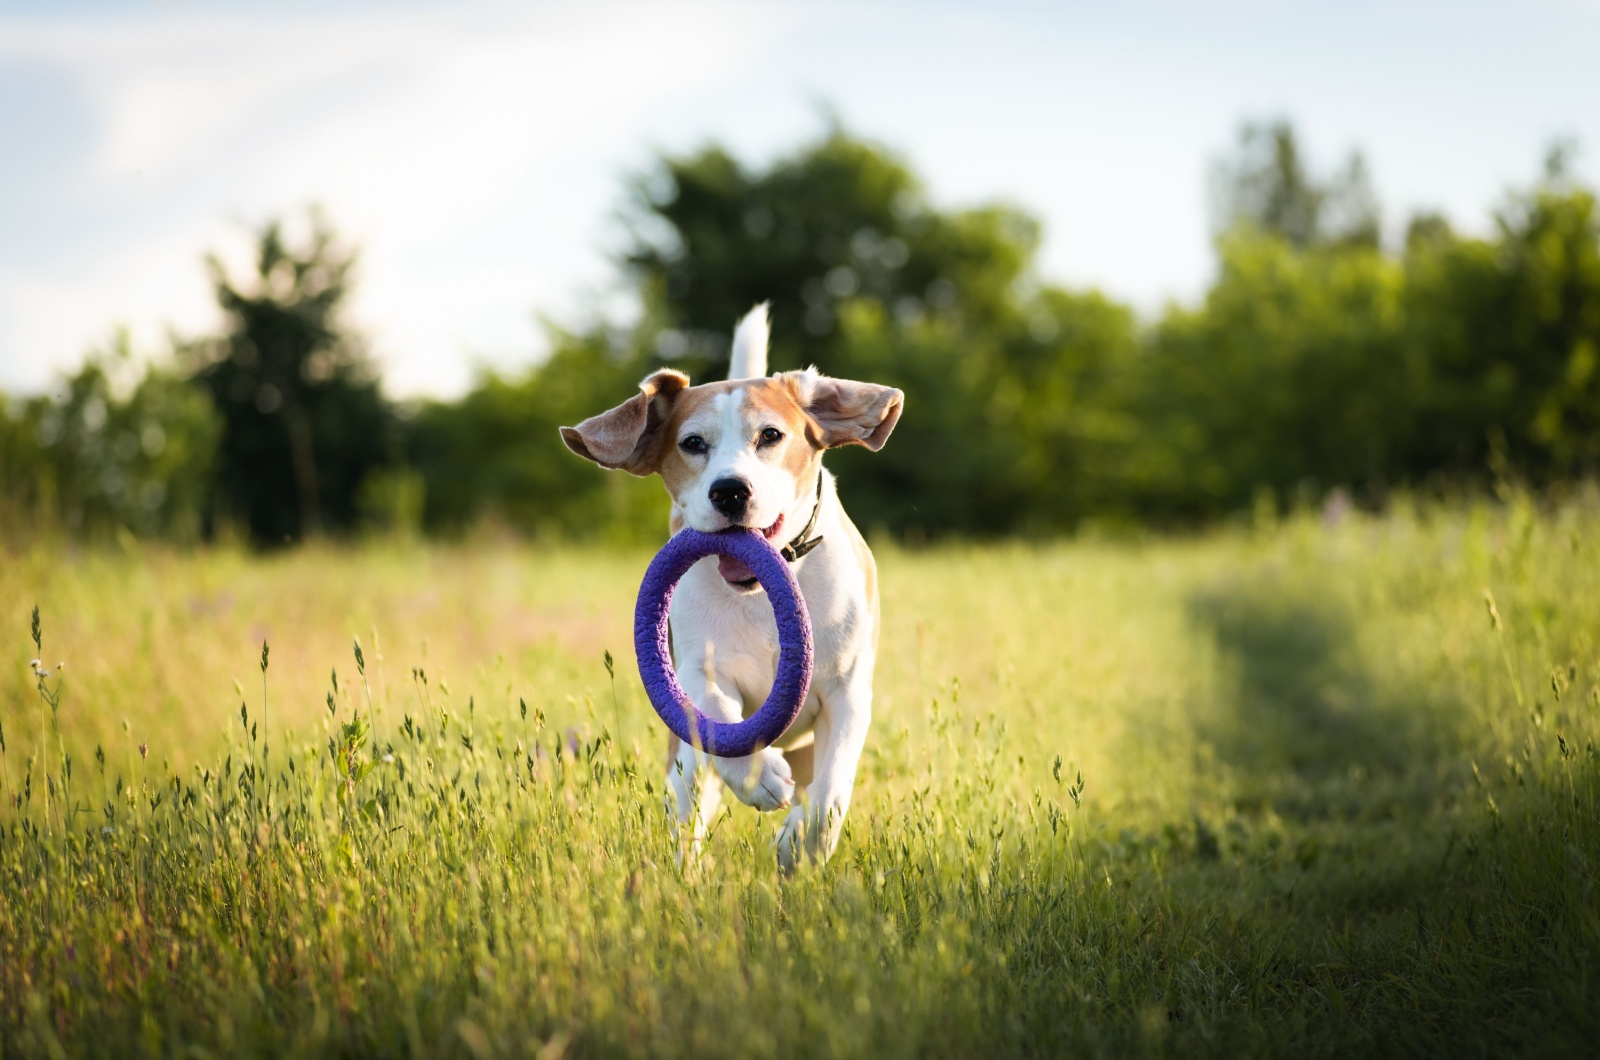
<point>651,648</point>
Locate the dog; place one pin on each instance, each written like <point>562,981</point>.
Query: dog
<point>748,452</point>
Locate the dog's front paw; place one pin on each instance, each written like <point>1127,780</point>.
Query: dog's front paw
<point>761,780</point>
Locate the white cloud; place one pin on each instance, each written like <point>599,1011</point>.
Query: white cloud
<point>424,135</point>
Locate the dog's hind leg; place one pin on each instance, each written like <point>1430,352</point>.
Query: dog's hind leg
<point>810,832</point>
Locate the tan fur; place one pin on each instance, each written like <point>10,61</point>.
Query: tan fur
<point>849,413</point>
<point>802,763</point>
<point>628,437</point>
<point>778,400</point>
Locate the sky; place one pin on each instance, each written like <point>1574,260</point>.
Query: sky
<point>477,153</point>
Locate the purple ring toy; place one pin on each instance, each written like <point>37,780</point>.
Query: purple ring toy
<point>650,645</point>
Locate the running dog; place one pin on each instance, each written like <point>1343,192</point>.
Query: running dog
<point>748,452</point>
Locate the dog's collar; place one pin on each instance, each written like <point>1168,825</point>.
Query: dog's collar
<point>804,542</point>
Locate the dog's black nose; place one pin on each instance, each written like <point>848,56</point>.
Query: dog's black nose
<point>729,496</point>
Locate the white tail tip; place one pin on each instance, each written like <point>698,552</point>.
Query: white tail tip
<point>749,360</point>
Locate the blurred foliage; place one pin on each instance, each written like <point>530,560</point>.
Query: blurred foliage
<point>866,281</point>
<point>1004,377</point>
<point>495,455</point>
<point>118,445</point>
<point>1317,360</point>
<point>1507,334</point>
<point>1267,186</point>
<point>1320,359</point>
<point>303,419</point>
<point>1339,365</point>
<point>1289,370</point>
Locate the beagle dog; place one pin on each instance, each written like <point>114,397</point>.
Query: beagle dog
<point>748,452</point>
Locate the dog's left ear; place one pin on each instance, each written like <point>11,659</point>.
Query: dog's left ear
<point>844,412</point>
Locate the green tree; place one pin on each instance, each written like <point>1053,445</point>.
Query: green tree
<point>1510,332</point>
<point>304,421</point>
<point>867,280</point>
<point>1265,184</point>
<point>488,457</point>
<point>119,444</point>
<point>1289,376</point>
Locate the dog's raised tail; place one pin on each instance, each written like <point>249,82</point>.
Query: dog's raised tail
<point>749,360</point>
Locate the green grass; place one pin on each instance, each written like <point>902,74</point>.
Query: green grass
<point>1328,805</point>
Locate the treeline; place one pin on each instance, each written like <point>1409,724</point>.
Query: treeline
<point>1320,359</point>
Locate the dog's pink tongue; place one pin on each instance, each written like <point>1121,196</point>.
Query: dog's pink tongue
<point>732,570</point>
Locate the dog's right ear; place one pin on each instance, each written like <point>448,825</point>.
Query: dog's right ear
<point>629,436</point>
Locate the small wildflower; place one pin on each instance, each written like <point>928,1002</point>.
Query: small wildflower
<point>389,759</point>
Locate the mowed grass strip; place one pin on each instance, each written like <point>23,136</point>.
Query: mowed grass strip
<point>1298,788</point>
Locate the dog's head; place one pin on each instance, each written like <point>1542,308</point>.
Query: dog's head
<point>745,452</point>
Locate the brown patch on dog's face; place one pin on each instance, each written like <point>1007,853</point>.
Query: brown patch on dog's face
<point>750,431</point>
<point>776,401</point>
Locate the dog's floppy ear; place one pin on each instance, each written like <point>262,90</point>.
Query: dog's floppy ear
<point>628,436</point>
<point>843,412</point>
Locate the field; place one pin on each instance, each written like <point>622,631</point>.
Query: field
<point>1291,788</point>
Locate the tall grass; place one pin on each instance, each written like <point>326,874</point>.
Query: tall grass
<point>1294,788</point>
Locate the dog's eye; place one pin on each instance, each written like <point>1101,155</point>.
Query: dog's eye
<point>771,436</point>
<point>693,444</point>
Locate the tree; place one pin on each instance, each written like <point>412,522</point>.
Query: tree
<point>490,457</point>
<point>303,419</point>
<point>1509,329</point>
<point>1316,360</point>
<point>1266,185</point>
<point>1288,376</point>
<point>119,446</point>
<point>869,281</point>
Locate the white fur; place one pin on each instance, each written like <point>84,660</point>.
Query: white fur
<point>736,633</point>
<point>749,359</point>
